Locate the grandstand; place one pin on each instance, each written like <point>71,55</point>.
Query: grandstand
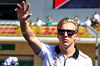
<point>12,42</point>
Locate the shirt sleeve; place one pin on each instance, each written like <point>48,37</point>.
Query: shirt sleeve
<point>42,52</point>
<point>46,50</point>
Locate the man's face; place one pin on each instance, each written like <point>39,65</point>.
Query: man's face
<point>68,37</point>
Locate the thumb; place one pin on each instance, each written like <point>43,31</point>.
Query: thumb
<point>28,16</point>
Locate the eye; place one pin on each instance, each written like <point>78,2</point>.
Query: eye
<point>70,32</point>
<point>62,32</point>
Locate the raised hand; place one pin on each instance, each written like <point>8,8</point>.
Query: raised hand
<point>22,13</point>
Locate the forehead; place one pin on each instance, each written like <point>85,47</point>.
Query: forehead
<point>69,26</point>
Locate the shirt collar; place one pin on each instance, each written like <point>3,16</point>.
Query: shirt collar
<point>75,55</point>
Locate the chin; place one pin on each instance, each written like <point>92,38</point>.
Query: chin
<point>65,44</point>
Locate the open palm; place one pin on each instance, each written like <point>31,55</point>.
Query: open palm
<point>22,13</point>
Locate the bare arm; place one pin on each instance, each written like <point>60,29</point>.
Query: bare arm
<point>27,32</point>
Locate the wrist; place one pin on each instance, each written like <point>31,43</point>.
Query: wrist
<point>23,22</point>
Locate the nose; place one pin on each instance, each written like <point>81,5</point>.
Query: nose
<point>65,34</point>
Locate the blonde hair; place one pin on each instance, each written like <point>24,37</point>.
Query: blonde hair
<point>67,20</point>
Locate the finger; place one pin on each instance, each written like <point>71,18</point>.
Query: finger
<point>28,6</point>
<point>23,5</point>
<point>19,6</point>
<point>28,16</point>
<point>17,12</point>
<point>16,9</point>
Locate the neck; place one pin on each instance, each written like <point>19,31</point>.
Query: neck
<point>69,51</point>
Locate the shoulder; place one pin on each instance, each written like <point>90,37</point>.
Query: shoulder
<point>40,20</point>
<point>48,47</point>
<point>83,56</point>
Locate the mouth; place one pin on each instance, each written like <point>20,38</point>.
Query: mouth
<point>65,40</point>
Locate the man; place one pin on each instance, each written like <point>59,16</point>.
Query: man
<point>38,22</point>
<point>97,16</point>
<point>31,23</point>
<point>87,21</point>
<point>66,53</point>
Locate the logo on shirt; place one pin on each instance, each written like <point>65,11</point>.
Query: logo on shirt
<point>83,56</point>
<point>54,63</point>
<point>55,59</point>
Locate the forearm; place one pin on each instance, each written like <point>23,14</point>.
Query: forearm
<point>29,35</point>
<point>26,30</point>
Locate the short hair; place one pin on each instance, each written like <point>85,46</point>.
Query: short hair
<point>67,20</point>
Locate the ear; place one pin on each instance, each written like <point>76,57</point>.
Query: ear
<point>76,36</point>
